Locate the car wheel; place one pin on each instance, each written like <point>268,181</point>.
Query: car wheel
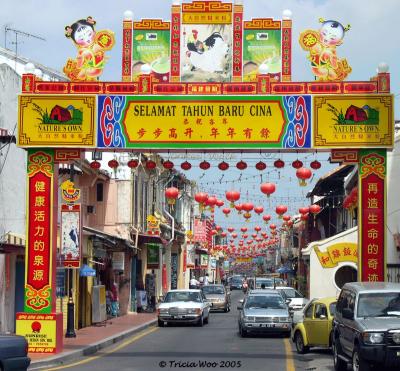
<point>207,319</point>
<point>226,309</point>
<point>338,363</point>
<point>358,363</point>
<point>200,323</point>
<point>299,341</point>
<point>242,331</point>
<point>160,323</point>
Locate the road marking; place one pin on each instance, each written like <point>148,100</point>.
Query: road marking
<point>289,356</point>
<point>120,346</point>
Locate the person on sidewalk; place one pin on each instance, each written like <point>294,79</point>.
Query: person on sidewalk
<point>193,283</point>
<point>206,281</point>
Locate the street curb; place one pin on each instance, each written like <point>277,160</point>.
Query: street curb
<point>90,349</point>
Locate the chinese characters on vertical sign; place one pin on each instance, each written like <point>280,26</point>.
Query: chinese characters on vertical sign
<point>372,173</point>
<point>38,261</point>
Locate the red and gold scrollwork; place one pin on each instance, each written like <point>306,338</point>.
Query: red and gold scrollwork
<point>37,299</point>
<point>206,6</point>
<point>40,162</point>
<point>373,164</point>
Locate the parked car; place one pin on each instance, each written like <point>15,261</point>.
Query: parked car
<point>236,283</point>
<point>190,306</point>
<point>298,315</point>
<point>297,300</point>
<point>264,311</point>
<point>13,353</point>
<point>218,296</point>
<point>315,330</point>
<point>366,326</point>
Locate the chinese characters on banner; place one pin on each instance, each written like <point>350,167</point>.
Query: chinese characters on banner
<point>71,235</point>
<point>39,255</point>
<point>372,172</point>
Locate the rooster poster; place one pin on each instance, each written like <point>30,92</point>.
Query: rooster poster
<point>206,54</point>
<point>70,235</point>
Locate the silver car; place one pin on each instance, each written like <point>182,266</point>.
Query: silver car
<point>184,306</point>
<point>264,311</point>
<point>218,296</point>
<point>297,301</point>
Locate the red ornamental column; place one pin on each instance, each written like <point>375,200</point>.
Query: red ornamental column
<point>287,46</point>
<point>127,32</point>
<point>40,257</point>
<point>175,42</point>
<point>372,215</point>
<point>237,42</point>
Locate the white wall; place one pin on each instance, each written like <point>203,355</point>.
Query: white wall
<point>322,282</point>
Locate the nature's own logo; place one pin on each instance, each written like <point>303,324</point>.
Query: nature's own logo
<point>355,119</point>
<point>36,326</point>
<point>60,119</point>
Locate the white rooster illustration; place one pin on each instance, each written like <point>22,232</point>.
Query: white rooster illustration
<point>207,55</point>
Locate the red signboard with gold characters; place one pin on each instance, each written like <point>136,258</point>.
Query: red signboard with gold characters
<point>372,173</point>
<point>38,281</point>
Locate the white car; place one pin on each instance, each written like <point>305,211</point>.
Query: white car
<point>297,301</point>
<point>184,306</point>
<point>298,315</point>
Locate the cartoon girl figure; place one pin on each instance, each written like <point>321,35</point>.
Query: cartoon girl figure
<point>89,63</point>
<point>326,66</point>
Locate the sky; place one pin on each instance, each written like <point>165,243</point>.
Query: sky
<point>371,39</point>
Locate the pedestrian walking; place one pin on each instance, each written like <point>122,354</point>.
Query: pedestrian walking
<point>193,283</point>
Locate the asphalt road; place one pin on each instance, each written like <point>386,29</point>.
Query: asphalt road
<point>216,346</point>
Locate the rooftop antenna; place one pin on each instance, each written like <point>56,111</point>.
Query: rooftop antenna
<point>15,42</point>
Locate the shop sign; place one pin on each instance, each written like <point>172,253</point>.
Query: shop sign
<point>153,256</point>
<point>226,265</point>
<point>38,278</point>
<point>69,193</point>
<point>59,121</point>
<point>118,260</point>
<point>337,253</point>
<point>206,121</point>
<point>200,231</point>
<point>354,121</point>
<point>372,208</point>
<point>190,256</point>
<point>213,263</point>
<point>153,225</point>
<point>39,330</point>
<point>71,235</point>
<point>174,271</point>
<point>151,46</point>
<point>203,260</point>
<point>243,260</point>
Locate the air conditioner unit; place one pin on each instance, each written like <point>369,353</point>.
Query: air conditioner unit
<point>91,209</point>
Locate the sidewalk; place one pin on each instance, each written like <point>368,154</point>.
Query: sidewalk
<point>91,339</point>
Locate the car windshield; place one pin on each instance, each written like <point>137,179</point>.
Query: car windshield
<point>379,304</point>
<point>265,302</point>
<point>237,280</point>
<point>291,293</point>
<point>219,290</point>
<point>264,281</point>
<point>182,296</point>
<point>332,308</point>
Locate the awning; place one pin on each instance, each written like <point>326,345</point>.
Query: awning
<point>107,239</point>
<point>12,242</point>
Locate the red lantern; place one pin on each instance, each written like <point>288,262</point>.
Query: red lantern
<point>272,227</point>
<point>303,174</point>
<point>245,236</point>
<point>150,164</point>
<point>258,210</point>
<point>220,203</point>
<point>232,196</point>
<point>168,165</point>
<point>113,164</point>
<point>257,228</point>
<point>247,216</point>
<point>243,229</point>
<point>304,210</point>
<point>267,218</point>
<point>289,223</point>
<point>223,234</point>
<point>280,210</point>
<point>261,165</point>
<point>186,165</point>
<point>95,165</point>
<point>315,165</point>
<point>297,164</point>
<point>211,201</point>
<point>315,209</point>
<point>247,206</point>
<point>304,217</point>
<point>239,208</point>
<point>218,228</point>
<point>226,211</point>
<point>241,165</point>
<point>279,164</point>
<point>204,165</point>
<point>231,229</point>
<point>234,235</point>
<point>201,198</point>
<point>286,218</point>
<point>268,188</point>
<point>171,194</point>
<point>133,164</point>
<point>254,235</point>
<point>223,166</point>
<point>214,232</point>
